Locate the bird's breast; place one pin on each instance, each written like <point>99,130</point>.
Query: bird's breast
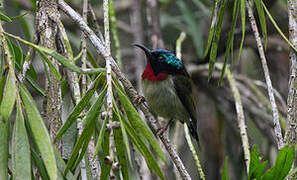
<point>163,99</point>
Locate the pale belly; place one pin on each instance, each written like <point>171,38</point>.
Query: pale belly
<point>163,99</point>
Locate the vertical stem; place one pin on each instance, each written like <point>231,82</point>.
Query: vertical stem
<point>240,119</point>
<point>277,127</point>
<point>291,134</point>
<point>46,19</point>
<point>109,94</point>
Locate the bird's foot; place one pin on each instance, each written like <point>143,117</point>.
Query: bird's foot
<point>138,100</point>
<point>162,130</point>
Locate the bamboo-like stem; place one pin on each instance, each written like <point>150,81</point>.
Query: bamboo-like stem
<point>277,127</point>
<point>240,119</point>
<point>195,155</point>
<point>132,93</point>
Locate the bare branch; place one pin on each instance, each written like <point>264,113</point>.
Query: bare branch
<point>277,128</point>
<point>240,119</point>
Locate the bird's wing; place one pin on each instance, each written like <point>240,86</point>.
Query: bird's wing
<point>184,89</point>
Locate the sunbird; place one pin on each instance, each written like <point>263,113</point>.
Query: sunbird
<point>168,88</point>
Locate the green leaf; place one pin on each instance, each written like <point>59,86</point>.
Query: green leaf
<point>230,40</point>
<point>215,11</point>
<point>9,96</point>
<point>138,123</point>
<point>4,136</point>
<point>284,162</point>
<point>2,85</point>
<point>39,132</point>
<point>61,59</point>
<point>61,165</point>
<point>4,18</point>
<point>242,10</point>
<point>141,146</point>
<point>261,16</point>
<point>120,147</point>
<point>54,70</point>
<point>39,164</point>
<point>291,173</point>
<point>83,141</point>
<point>78,109</point>
<point>100,137</point>
<point>257,168</point>
<point>105,168</point>
<point>225,174</point>
<point>21,158</point>
<point>277,28</point>
<point>216,38</point>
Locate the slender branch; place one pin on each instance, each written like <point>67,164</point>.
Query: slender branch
<point>109,94</point>
<point>240,119</point>
<point>95,22</point>
<point>277,127</point>
<point>132,93</point>
<point>291,134</point>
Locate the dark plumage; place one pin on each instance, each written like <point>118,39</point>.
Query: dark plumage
<point>168,88</point>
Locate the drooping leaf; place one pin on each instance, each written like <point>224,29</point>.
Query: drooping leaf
<point>4,136</point>
<point>138,123</point>
<point>21,158</point>
<point>78,109</point>
<point>261,16</point>
<point>120,147</point>
<point>39,132</point>
<point>242,11</point>
<point>216,38</point>
<point>5,18</point>
<point>225,174</point>
<point>100,137</point>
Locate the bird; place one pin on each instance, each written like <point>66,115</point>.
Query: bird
<point>168,88</point>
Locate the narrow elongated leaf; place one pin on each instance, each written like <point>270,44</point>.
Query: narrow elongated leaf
<point>40,133</point>
<point>100,137</point>
<point>120,147</point>
<point>61,165</point>
<point>225,174</point>
<point>9,96</point>
<point>214,17</point>
<point>4,136</point>
<point>105,167</point>
<point>138,123</point>
<point>216,38</point>
<point>141,146</point>
<point>50,65</point>
<point>242,11</point>
<point>21,158</point>
<point>39,164</point>
<point>61,59</point>
<point>5,18</point>
<point>85,137</point>
<point>277,28</point>
<point>230,40</point>
<point>261,16</point>
<point>2,85</point>
<point>284,162</point>
<point>78,109</point>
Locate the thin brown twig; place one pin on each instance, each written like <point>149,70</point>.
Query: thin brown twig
<point>277,127</point>
<point>132,93</point>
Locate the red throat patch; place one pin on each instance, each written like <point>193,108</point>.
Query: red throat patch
<point>149,74</point>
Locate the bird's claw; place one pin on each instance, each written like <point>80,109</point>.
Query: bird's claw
<point>138,100</point>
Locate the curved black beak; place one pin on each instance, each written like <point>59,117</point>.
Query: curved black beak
<point>145,49</point>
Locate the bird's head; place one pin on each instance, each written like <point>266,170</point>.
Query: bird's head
<point>162,61</point>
